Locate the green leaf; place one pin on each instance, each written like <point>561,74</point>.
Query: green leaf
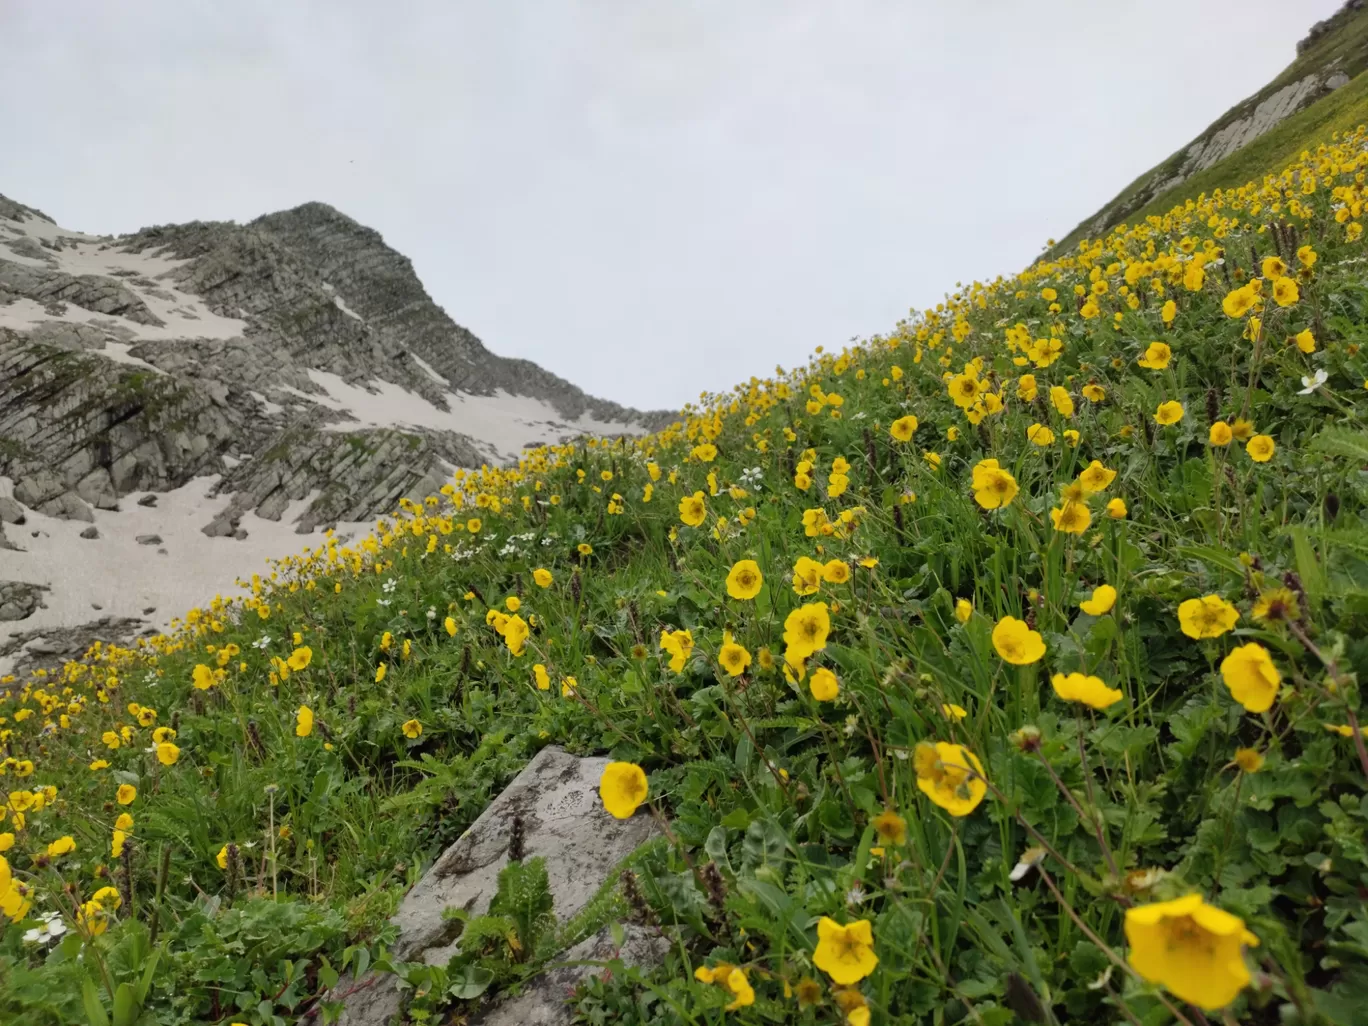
<point>1340,441</point>
<point>94,1008</point>
<point>470,983</point>
<point>126,1006</point>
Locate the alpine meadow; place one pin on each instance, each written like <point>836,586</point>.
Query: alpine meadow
<point>1003,667</point>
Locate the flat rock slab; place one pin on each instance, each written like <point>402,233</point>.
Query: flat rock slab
<point>556,798</point>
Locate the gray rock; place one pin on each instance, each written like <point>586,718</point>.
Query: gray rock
<point>556,796</point>
<point>148,539</point>
<point>97,488</point>
<point>1337,81</point>
<point>19,600</point>
<point>11,512</point>
<point>150,499</point>
<point>543,999</point>
<point>67,506</point>
<point>90,533</point>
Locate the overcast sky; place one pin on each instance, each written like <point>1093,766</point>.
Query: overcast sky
<point>648,197</point>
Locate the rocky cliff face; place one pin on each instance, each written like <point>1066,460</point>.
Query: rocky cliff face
<point>248,381</point>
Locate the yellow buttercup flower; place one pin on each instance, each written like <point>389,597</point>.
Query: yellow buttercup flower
<point>300,658</point>
<point>412,729</point>
<point>1253,680</point>
<point>836,571</point>
<point>542,678</point>
<point>1249,760</point>
<point>622,788</point>
<point>1096,478</point>
<point>903,428</point>
<point>845,953</point>
<point>1016,643</point>
<point>692,509</point>
<point>126,794</point>
<point>1285,292</point>
<point>62,846</point>
<point>745,580</point>
<point>542,577</point>
<point>1170,412</point>
<point>891,828</point>
<point>964,609</point>
<point>805,631</point>
<point>1071,518</point>
<point>1220,434</point>
<point>679,644</point>
<point>1116,508</point>
<point>733,658</point>
<point>1091,691</point>
<point>1207,617</point>
<point>824,685</point>
<point>1156,356</point>
<point>994,487</point>
<point>167,753</point>
<point>1260,448</point>
<point>304,721</point>
<point>1101,602</point>
<point>950,775</point>
<point>1193,949</point>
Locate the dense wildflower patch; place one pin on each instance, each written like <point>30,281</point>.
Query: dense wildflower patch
<point>1006,665</point>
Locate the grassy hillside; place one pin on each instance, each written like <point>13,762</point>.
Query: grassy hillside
<point>1002,667</point>
<point>1340,46</point>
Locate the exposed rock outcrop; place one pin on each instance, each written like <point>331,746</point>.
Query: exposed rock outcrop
<point>556,800</point>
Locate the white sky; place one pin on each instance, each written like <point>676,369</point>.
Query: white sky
<point>648,197</point>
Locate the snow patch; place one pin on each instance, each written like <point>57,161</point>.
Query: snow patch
<point>502,424</point>
<point>428,369</point>
<point>123,577</point>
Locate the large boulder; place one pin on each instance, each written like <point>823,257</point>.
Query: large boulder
<point>556,800</point>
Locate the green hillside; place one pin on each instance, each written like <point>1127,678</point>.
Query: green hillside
<point>1001,668</point>
<point>1340,46</point>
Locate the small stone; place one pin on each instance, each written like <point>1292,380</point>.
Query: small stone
<point>150,499</point>
<point>149,610</point>
<point>148,539</point>
<point>89,533</point>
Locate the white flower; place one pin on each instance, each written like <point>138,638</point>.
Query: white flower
<point>49,928</point>
<point>262,643</point>
<point>1311,384</point>
<point>1030,858</point>
<point>390,585</point>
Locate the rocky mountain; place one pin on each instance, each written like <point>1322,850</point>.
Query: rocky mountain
<point>177,404</point>
<point>1331,55</point>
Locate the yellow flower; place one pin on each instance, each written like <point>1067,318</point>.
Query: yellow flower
<point>512,603</point>
<point>1061,400</point>
<point>904,428</point>
<point>951,711</point>
<point>806,630</point>
<point>1168,312</point>
<point>824,685</point>
<point>1016,643</point>
<point>202,677</point>
<point>304,720</point>
<point>1170,412</point>
<point>734,658</point>
<point>1071,518</point>
<point>450,624</point>
<point>1238,302</point>
<point>1103,598</point>
<point>1249,760</point>
<point>1091,691</point>
<point>1094,393</point>
<point>744,580</point>
<point>1156,357</point>
<point>380,672</point>
<point>994,488</point>
<point>542,678</point>
<point>891,828</point>
<point>412,729</point>
<point>963,610</point>
<point>1242,429</point>
<point>1306,256</point>
<point>836,571</point>
<point>124,822</point>
<point>167,753</point>
<point>705,453</point>
<point>1116,509</point>
<point>1273,267</point>
<point>222,857</point>
<point>515,634</point>
<point>1096,477</point>
<point>1260,448</point>
<point>126,794</point>
<point>542,577</point>
<point>473,525</point>
<point>950,775</point>
<point>1040,435</point>
<point>584,548</point>
<point>1305,340</point>
<point>1191,948</point>
<point>1253,680</point>
<point>965,390</point>
<point>807,576</point>
<point>692,510</point>
<point>300,658</point>
<point>679,644</point>
<point>1285,291</point>
<point>1220,433</point>
<point>116,843</point>
<point>61,846</point>
<point>1026,388</point>
<point>622,787</point>
<point>845,953</point>
<point>1277,604</point>
<point>1207,617</point>
<point>568,687</point>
